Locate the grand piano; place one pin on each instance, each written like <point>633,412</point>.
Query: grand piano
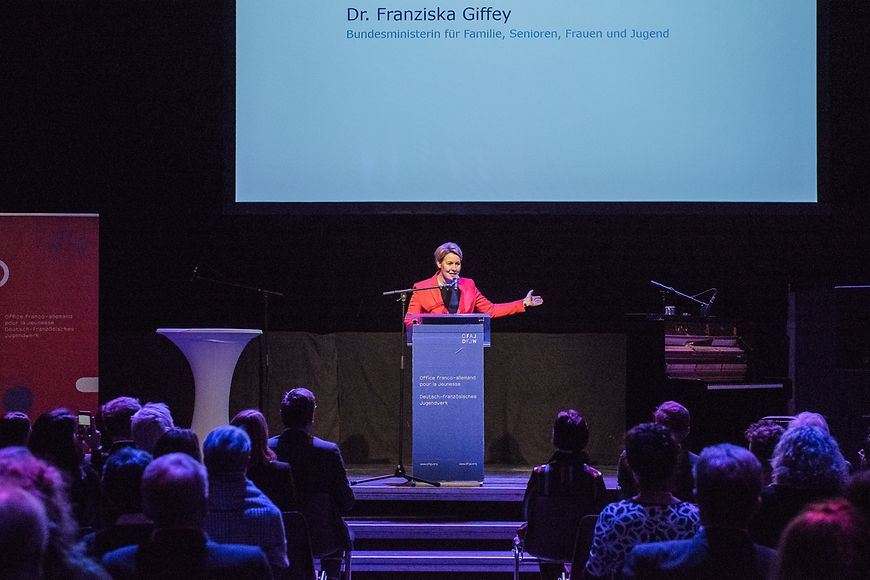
<point>711,352</point>
<point>724,372</point>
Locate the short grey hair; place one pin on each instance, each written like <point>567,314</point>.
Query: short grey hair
<point>149,424</point>
<point>447,248</point>
<point>727,484</point>
<point>808,418</point>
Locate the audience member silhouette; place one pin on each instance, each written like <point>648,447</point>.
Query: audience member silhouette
<point>114,422</point>
<point>728,480</point>
<point>864,453</point>
<point>55,440</point>
<point>178,440</point>
<point>175,498</point>
<point>238,512</point>
<point>858,492</point>
<point>762,437</point>
<point>810,419</point>
<point>318,469</point>
<point>807,467</point>
<point>828,540</point>
<point>654,514</point>
<point>14,429</point>
<point>565,481</point>
<point>122,480</point>
<point>273,477</point>
<point>23,534</point>
<point>63,560</point>
<point>149,423</point>
<point>48,496</point>
<point>675,417</point>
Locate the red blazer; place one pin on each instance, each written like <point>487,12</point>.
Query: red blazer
<point>470,301</point>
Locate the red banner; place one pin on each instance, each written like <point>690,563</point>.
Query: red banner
<point>49,295</point>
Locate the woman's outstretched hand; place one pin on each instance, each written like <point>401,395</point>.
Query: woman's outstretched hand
<point>531,300</point>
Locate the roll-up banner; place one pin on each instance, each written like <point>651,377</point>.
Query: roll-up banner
<point>49,295</point>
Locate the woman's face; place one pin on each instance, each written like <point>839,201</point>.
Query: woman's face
<point>449,267</point>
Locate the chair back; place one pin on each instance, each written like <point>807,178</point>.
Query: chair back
<point>563,495</point>
<point>298,547</point>
<point>553,522</point>
<point>326,528</point>
<point>782,420</point>
<point>583,544</point>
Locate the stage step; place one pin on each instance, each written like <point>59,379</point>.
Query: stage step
<point>441,533</point>
<point>511,492</point>
<point>439,561</point>
<point>428,530</point>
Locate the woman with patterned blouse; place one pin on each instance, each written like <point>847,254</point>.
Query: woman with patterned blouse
<point>653,515</point>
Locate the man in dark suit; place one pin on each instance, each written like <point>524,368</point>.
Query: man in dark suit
<point>175,498</point>
<point>676,418</point>
<point>322,488</point>
<point>728,483</point>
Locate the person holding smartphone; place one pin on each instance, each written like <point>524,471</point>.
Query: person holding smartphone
<point>58,437</point>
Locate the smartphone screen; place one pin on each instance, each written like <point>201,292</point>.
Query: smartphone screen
<point>85,427</point>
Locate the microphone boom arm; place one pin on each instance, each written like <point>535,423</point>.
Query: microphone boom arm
<point>705,306</point>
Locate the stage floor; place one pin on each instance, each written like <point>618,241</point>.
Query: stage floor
<point>501,483</point>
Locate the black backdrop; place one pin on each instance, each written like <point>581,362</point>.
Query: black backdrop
<point>119,108</point>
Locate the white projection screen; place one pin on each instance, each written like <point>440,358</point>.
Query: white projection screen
<point>392,107</point>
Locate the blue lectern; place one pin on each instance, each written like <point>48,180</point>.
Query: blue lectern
<point>447,396</point>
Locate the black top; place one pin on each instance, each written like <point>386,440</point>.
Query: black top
<point>187,555</point>
<point>99,543</point>
<point>558,495</point>
<point>86,495</point>
<point>450,296</point>
<point>276,481</point>
<point>322,489</point>
<point>98,459</point>
<point>779,504</point>
<point>317,466</point>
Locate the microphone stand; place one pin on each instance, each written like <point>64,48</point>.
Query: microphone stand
<point>264,341</point>
<point>400,467</point>
<point>705,306</point>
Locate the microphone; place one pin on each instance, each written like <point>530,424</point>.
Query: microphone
<point>194,273</point>
<point>455,283</point>
<point>705,310</point>
<point>713,298</point>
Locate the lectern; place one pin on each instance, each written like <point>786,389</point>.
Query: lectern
<point>447,396</point>
<point>212,354</point>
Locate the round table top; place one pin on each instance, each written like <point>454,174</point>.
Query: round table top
<point>209,331</point>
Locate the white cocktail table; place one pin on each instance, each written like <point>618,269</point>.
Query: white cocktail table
<point>212,354</point>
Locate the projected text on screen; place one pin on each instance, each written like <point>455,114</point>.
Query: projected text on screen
<point>526,101</point>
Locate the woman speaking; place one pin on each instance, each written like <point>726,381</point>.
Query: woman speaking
<point>447,293</point>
